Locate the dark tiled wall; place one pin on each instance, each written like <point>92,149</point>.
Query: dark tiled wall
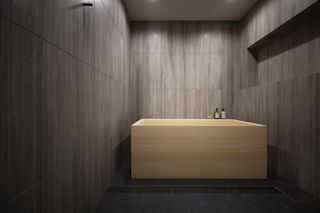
<point>4,53</point>
<point>65,104</point>
<point>181,68</point>
<point>280,88</point>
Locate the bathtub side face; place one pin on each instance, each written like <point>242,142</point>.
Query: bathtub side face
<point>199,152</point>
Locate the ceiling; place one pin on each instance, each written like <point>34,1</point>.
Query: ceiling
<point>191,10</point>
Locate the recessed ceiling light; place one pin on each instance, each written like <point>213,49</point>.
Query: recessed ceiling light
<point>152,0</point>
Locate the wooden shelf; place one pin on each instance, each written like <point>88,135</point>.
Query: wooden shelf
<point>310,14</point>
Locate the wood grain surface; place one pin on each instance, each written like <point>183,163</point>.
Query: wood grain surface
<point>198,149</point>
<point>180,65</point>
<point>65,78</point>
<point>280,88</point>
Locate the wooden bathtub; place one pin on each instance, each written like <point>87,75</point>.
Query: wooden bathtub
<point>198,149</point>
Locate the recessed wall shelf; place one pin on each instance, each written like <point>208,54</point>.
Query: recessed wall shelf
<point>308,15</point>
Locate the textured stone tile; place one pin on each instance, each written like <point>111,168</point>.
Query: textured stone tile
<point>4,109</point>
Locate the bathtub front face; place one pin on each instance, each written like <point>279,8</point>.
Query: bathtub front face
<point>198,149</point>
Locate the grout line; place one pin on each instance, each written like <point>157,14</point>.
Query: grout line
<point>114,21</point>
<point>9,108</point>
<point>56,173</point>
<point>5,17</point>
<point>63,50</point>
<point>173,201</point>
<point>27,190</point>
<point>279,81</point>
<point>285,195</point>
<point>171,187</point>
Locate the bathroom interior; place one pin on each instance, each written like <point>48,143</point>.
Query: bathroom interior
<point>159,106</point>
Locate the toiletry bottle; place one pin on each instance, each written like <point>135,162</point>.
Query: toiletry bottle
<point>216,114</point>
<point>223,114</point>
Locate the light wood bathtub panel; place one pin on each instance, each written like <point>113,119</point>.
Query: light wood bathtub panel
<point>159,153</point>
<point>194,170</point>
<point>228,152</point>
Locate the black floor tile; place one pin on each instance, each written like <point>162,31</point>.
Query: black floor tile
<point>240,206</point>
<point>267,202</point>
<point>202,202</point>
<point>191,196</point>
<point>305,208</point>
<point>154,200</point>
<point>136,203</point>
<point>115,203</point>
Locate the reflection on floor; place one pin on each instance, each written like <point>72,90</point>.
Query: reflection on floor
<point>174,196</point>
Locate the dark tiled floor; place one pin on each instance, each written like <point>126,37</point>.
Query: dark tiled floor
<point>197,201</point>
<point>190,196</point>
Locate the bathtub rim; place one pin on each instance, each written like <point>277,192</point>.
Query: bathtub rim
<point>237,123</point>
